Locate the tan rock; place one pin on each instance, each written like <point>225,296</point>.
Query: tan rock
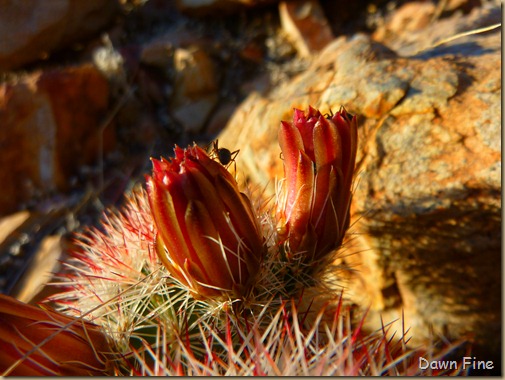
<point>159,51</point>
<point>195,74</point>
<point>194,114</point>
<point>181,55</point>
<point>220,117</point>
<point>465,5</point>
<point>195,92</point>
<point>415,27</point>
<point>427,208</point>
<point>412,17</point>
<point>35,29</point>
<point>51,126</point>
<point>305,25</point>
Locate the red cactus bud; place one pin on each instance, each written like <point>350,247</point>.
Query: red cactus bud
<point>31,343</point>
<point>319,158</point>
<point>208,235</point>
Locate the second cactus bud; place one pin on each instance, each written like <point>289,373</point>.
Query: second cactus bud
<point>319,157</point>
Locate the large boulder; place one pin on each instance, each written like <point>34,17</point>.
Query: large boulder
<point>53,123</point>
<point>426,232</point>
<point>33,29</point>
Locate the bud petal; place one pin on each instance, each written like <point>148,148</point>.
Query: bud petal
<point>324,153</point>
<point>304,187</point>
<point>213,268</point>
<point>54,344</point>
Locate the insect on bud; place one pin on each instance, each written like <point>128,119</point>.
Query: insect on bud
<point>208,235</point>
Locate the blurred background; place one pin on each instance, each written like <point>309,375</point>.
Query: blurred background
<point>90,90</point>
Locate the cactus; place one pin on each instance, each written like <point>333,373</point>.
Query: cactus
<point>193,277</point>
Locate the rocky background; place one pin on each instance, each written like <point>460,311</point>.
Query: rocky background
<point>89,90</point>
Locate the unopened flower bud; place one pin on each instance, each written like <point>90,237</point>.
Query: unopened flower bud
<point>208,235</point>
<point>319,157</point>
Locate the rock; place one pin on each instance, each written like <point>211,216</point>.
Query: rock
<point>111,64</point>
<point>412,29</point>
<point>36,29</point>
<point>449,7</point>
<point>331,80</point>
<point>412,17</point>
<point>426,229</point>
<point>159,52</point>
<point>181,57</point>
<point>194,114</point>
<point>177,70</point>
<point>220,117</point>
<point>464,5</point>
<point>195,74</point>
<point>52,124</point>
<point>195,87</point>
<point>429,197</point>
<point>305,25</point>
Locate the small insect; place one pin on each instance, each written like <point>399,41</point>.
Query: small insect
<point>329,115</point>
<point>224,155</point>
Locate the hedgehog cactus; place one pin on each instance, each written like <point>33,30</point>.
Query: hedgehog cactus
<point>228,298</point>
